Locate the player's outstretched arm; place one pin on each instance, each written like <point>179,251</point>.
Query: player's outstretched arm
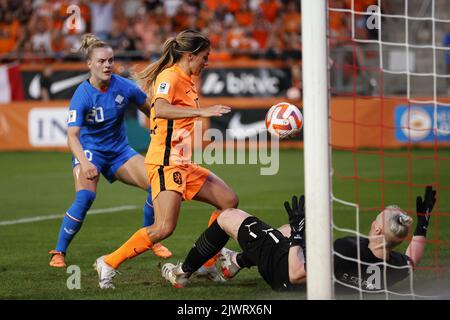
<point>165,110</point>
<point>296,215</point>
<point>423,209</point>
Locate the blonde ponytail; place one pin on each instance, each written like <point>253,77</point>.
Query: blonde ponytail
<point>404,220</point>
<point>89,42</point>
<point>169,56</point>
<point>187,41</point>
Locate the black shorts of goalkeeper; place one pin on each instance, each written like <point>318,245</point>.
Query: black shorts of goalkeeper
<point>268,249</point>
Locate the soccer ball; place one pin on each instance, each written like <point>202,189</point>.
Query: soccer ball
<point>284,120</point>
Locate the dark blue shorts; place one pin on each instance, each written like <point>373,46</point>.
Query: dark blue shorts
<point>107,163</point>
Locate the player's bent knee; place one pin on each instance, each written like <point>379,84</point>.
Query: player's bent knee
<point>226,214</point>
<point>230,201</point>
<point>231,214</point>
<point>234,201</point>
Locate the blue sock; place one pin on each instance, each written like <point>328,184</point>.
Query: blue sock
<point>74,218</point>
<point>149,213</point>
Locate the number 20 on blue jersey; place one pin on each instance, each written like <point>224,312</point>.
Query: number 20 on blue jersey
<point>95,115</point>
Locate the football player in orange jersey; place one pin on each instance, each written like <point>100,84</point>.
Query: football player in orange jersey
<point>172,174</point>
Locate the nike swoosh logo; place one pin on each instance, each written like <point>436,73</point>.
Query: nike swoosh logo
<point>239,130</point>
<point>69,231</point>
<point>34,89</point>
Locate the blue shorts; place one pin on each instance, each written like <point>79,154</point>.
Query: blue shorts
<point>107,163</point>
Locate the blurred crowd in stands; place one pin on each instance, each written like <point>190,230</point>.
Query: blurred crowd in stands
<point>270,29</point>
<point>42,31</point>
<point>33,29</point>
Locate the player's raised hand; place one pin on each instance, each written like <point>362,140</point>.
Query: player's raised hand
<point>423,209</point>
<point>217,110</point>
<point>296,214</point>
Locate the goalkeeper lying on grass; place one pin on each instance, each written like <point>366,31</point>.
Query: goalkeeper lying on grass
<point>279,253</point>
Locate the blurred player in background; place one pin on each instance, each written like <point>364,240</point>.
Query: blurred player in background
<point>46,83</point>
<point>446,43</point>
<point>280,254</point>
<point>99,144</point>
<point>173,176</point>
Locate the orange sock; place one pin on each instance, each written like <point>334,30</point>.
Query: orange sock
<point>213,217</point>
<point>211,262</point>
<point>137,244</point>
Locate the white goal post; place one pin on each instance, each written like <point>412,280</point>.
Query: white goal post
<point>316,150</point>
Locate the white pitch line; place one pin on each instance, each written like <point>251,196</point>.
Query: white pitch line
<point>114,209</point>
<point>59,216</point>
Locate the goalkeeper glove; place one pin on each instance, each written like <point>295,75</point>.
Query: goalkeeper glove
<point>423,210</point>
<point>296,215</point>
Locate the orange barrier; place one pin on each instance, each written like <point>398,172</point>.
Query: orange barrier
<point>364,122</point>
<point>33,126</point>
<point>369,122</point>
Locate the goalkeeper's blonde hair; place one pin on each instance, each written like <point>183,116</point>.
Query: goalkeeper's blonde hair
<point>396,224</point>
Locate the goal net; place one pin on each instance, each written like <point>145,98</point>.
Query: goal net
<point>387,86</point>
<point>390,132</point>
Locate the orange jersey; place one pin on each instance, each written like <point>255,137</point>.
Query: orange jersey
<point>171,139</point>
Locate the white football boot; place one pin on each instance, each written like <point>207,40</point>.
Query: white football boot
<point>106,273</point>
<point>209,273</point>
<point>175,275</point>
<point>227,265</point>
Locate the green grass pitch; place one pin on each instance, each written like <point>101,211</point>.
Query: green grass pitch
<point>40,184</point>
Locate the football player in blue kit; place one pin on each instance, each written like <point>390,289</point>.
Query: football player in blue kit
<point>99,144</point>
